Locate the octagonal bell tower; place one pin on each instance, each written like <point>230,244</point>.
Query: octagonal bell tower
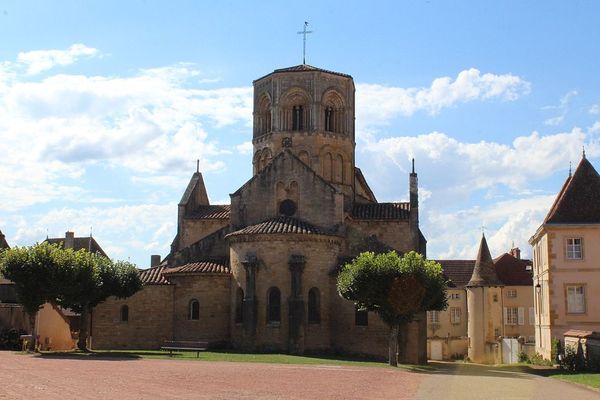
<point>311,112</point>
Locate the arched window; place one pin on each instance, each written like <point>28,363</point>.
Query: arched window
<point>314,306</point>
<point>303,155</point>
<point>329,118</point>
<point>273,305</point>
<point>194,310</point>
<point>338,169</point>
<point>297,118</point>
<point>239,305</point>
<point>124,313</point>
<point>327,166</point>
<point>361,317</point>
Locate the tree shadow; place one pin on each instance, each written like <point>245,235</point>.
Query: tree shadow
<point>482,370</point>
<point>93,355</point>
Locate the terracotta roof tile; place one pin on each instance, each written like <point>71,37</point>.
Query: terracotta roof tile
<point>154,275</point>
<point>217,211</point>
<point>579,199</point>
<point>513,271</point>
<point>458,272</point>
<point>201,267</point>
<point>285,225</point>
<point>381,211</point>
<point>305,68</point>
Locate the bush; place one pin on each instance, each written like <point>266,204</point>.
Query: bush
<point>538,359</point>
<point>9,339</point>
<point>570,361</point>
<point>524,357</point>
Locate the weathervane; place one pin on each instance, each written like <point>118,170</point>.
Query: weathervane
<point>304,33</point>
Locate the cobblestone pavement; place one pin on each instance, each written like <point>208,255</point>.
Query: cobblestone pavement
<point>33,377</point>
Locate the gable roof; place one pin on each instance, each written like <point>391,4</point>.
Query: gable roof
<point>358,175</point>
<point>381,211</point>
<point>513,271</point>
<point>484,273</point>
<point>280,225</point>
<point>80,243</point>
<point>217,211</point>
<point>3,242</point>
<point>154,275</point>
<point>458,272</point>
<point>579,199</point>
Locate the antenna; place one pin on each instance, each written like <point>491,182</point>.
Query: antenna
<point>304,33</point>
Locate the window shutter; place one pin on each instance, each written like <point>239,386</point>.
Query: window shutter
<point>521,316</point>
<point>505,316</point>
<point>531,316</point>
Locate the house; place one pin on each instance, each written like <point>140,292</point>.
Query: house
<point>566,261</point>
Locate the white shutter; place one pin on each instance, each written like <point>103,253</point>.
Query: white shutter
<point>531,316</point>
<point>521,316</point>
<point>505,316</point>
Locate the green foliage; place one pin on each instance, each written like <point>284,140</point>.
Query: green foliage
<point>538,359</point>
<point>523,357</point>
<point>555,349</point>
<point>570,360</point>
<point>394,287</point>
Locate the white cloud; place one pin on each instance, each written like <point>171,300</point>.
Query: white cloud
<point>38,61</point>
<point>377,104</point>
<point>245,148</point>
<point>563,107</point>
<point>595,109</point>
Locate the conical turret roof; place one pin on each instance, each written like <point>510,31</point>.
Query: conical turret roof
<point>484,273</point>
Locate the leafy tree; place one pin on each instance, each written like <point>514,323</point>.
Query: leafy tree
<point>396,288</point>
<point>90,280</point>
<point>33,272</point>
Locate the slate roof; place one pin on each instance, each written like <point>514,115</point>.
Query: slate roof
<point>381,211</point>
<point>579,199</point>
<point>205,267</point>
<point>154,275</point>
<point>280,225</point>
<point>458,272</point>
<point>3,242</point>
<point>484,273</point>
<point>86,243</point>
<point>217,211</point>
<point>304,68</point>
<point>513,271</point>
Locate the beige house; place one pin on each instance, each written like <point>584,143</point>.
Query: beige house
<point>566,261</point>
<point>509,309</point>
<point>260,273</point>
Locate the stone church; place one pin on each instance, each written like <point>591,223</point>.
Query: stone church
<point>259,274</point>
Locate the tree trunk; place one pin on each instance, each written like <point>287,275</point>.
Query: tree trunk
<point>83,329</point>
<point>393,345</point>
<point>33,343</point>
<point>402,341</point>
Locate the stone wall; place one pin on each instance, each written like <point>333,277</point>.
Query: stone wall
<point>150,320</point>
<point>195,229</point>
<point>396,234</point>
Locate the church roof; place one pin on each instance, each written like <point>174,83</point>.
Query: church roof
<point>217,211</point>
<point>154,275</point>
<point>86,243</point>
<point>305,68</point>
<point>280,225</point>
<point>381,211</point>
<point>579,199</point>
<point>484,273</point>
<point>203,267</point>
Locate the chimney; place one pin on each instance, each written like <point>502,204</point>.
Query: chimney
<point>154,260</point>
<point>69,239</point>
<point>516,253</point>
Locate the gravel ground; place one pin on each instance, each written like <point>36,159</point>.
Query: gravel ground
<point>32,377</point>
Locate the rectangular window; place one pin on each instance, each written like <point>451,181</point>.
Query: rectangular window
<point>511,293</point>
<point>455,296</point>
<point>576,299</point>
<point>434,317</point>
<point>574,249</point>
<point>531,316</point>
<point>455,315</point>
<point>511,315</point>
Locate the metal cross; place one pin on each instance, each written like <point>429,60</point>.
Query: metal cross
<point>304,32</point>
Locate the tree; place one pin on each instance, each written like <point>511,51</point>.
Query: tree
<point>90,280</point>
<point>33,272</point>
<point>396,288</point>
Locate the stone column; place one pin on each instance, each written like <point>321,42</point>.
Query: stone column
<point>296,306</point>
<point>249,303</point>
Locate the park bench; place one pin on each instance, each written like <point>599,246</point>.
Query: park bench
<point>184,345</point>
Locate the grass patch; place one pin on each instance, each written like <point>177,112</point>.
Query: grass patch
<point>588,379</point>
<point>232,357</point>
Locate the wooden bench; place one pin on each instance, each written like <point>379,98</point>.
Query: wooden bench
<point>184,345</point>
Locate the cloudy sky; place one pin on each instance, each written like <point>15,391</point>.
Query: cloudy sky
<point>106,105</point>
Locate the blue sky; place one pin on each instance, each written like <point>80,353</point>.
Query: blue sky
<point>105,106</point>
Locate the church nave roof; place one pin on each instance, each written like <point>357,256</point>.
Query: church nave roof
<point>381,211</point>
<point>280,225</point>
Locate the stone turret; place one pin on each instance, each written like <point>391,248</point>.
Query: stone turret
<point>484,295</point>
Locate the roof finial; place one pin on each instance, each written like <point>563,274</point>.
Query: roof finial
<point>584,152</point>
<point>304,32</point>
<point>483,230</point>
<point>197,165</point>
<point>570,166</point>
<point>413,165</point>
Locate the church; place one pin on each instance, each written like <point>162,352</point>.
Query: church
<point>259,274</point>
